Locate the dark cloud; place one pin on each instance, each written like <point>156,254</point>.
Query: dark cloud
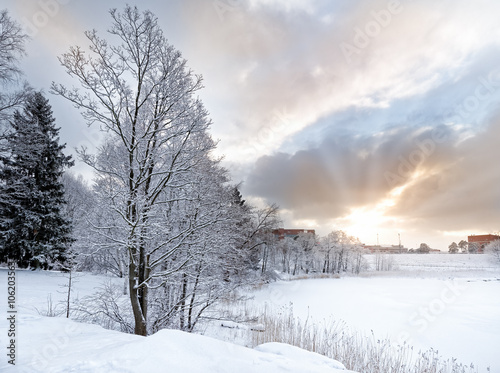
<point>464,191</point>
<point>450,183</point>
<point>349,170</point>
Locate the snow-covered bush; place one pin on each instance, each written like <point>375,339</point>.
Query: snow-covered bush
<point>384,262</point>
<point>494,249</point>
<point>108,307</point>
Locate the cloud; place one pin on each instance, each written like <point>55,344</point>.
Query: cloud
<point>348,170</point>
<point>289,62</point>
<point>317,127</point>
<point>463,192</point>
<point>443,182</point>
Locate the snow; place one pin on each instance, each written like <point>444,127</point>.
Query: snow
<point>447,302</point>
<point>437,264</point>
<point>233,325</point>
<point>56,344</point>
<point>310,362</point>
<point>456,312</point>
<point>62,345</point>
<point>236,325</point>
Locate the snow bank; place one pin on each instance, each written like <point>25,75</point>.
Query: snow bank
<point>54,344</point>
<point>61,345</point>
<point>310,361</point>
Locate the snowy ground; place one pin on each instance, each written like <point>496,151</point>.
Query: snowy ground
<point>435,265</point>
<point>448,302</point>
<point>56,344</point>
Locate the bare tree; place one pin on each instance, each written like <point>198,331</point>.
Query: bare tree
<point>340,252</point>
<point>357,259</point>
<point>255,226</point>
<point>85,211</point>
<point>204,262</point>
<point>303,253</point>
<point>142,93</point>
<point>493,248</point>
<point>12,41</point>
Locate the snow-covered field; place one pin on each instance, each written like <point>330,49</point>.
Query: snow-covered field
<point>447,302</point>
<point>438,264</point>
<point>56,344</point>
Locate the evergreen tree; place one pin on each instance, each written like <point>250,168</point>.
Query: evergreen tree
<point>33,231</point>
<point>237,199</point>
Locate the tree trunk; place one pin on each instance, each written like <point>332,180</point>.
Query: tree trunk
<point>182,306</point>
<point>69,294</point>
<point>139,317</point>
<point>120,263</point>
<point>264,258</point>
<point>193,296</point>
<point>142,291</point>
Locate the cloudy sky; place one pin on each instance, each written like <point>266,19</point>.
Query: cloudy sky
<point>375,117</point>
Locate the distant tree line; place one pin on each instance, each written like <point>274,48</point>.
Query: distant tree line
<point>463,247</point>
<point>307,253</point>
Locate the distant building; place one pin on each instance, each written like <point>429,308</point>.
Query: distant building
<point>283,233</point>
<point>392,249</point>
<point>482,240</point>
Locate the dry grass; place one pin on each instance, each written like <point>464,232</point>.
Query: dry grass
<point>361,353</point>
<point>315,276</point>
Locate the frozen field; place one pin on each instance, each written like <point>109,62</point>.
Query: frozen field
<point>447,302</point>
<point>437,264</point>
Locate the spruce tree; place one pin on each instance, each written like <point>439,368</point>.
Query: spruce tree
<point>33,231</point>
